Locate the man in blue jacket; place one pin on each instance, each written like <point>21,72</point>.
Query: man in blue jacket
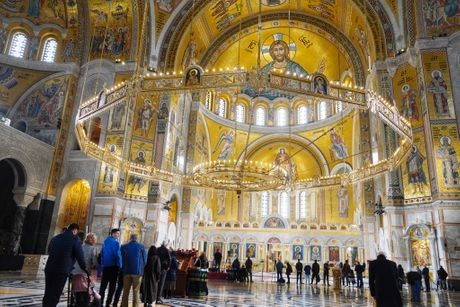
<point>134,260</point>
<point>111,265</point>
<point>63,250</point>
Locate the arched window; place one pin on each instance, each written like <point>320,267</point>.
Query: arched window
<point>339,107</point>
<point>302,212</point>
<point>49,50</point>
<point>282,117</point>
<point>260,116</point>
<point>221,107</point>
<point>209,98</point>
<point>311,208</point>
<point>322,110</point>
<point>18,45</point>
<point>239,113</point>
<point>302,114</point>
<point>283,205</point>
<point>264,204</point>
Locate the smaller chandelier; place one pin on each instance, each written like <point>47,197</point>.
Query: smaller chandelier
<point>236,175</point>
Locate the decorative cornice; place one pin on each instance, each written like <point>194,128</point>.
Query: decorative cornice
<point>36,28</point>
<point>67,68</point>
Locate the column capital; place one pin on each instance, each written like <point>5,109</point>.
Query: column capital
<point>23,196</point>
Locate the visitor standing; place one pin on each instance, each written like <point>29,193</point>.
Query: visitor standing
<point>315,272</point>
<point>288,272</point>
<point>383,282</point>
<point>346,273</point>
<point>426,278</point>
<point>165,259</point>
<point>63,250</point>
<point>79,276</point>
<point>249,268</point>
<point>152,276</point>
<point>414,279</point>
<point>359,269</point>
<point>326,273</point>
<point>298,269</point>
<point>217,259</point>
<point>134,259</point>
<point>307,270</point>
<point>279,271</point>
<point>442,277</point>
<point>171,276</point>
<point>111,265</point>
<point>401,277</point>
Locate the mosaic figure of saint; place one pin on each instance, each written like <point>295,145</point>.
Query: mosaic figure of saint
<point>339,148</point>
<point>283,160</point>
<point>320,85</point>
<point>438,87</point>
<point>108,175</point>
<point>409,104</point>
<point>135,181</point>
<point>227,140</point>
<point>415,173</point>
<point>447,154</point>
<point>342,196</point>
<point>145,117</point>
<point>279,51</point>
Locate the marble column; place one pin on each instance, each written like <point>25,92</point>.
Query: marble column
<point>22,198</point>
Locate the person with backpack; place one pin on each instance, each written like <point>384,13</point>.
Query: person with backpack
<point>442,276</point>
<point>298,268</point>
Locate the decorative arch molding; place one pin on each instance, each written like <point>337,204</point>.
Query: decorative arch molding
<point>35,28</point>
<point>341,165</point>
<point>168,42</point>
<point>298,140</point>
<point>353,243</point>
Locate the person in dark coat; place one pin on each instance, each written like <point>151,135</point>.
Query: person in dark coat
<point>307,270</point>
<point>401,277</point>
<point>171,276</point>
<point>298,268</point>
<point>326,273</point>
<point>152,275</point>
<point>63,250</point>
<point>414,279</point>
<point>249,269</point>
<point>359,269</point>
<point>383,282</point>
<point>426,278</point>
<point>315,272</point>
<point>442,277</point>
<point>346,273</point>
<point>279,270</point>
<point>288,272</point>
<point>217,259</point>
<point>165,259</point>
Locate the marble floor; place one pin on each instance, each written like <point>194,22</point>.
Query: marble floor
<point>24,290</point>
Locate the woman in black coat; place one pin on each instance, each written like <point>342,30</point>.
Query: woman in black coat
<point>171,276</point>
<point>152,273</point>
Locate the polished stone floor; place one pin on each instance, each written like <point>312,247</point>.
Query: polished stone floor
<point>23,290</point>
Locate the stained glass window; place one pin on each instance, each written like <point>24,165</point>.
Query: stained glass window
<point>18,45</point>
<point>49,50</point>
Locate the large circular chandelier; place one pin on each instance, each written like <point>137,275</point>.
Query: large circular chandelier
<point>237,175</point>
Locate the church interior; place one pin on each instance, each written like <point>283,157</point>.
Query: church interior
<point>274,129</point>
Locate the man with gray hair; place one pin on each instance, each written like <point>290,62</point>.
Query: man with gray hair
<point>134,259</point>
